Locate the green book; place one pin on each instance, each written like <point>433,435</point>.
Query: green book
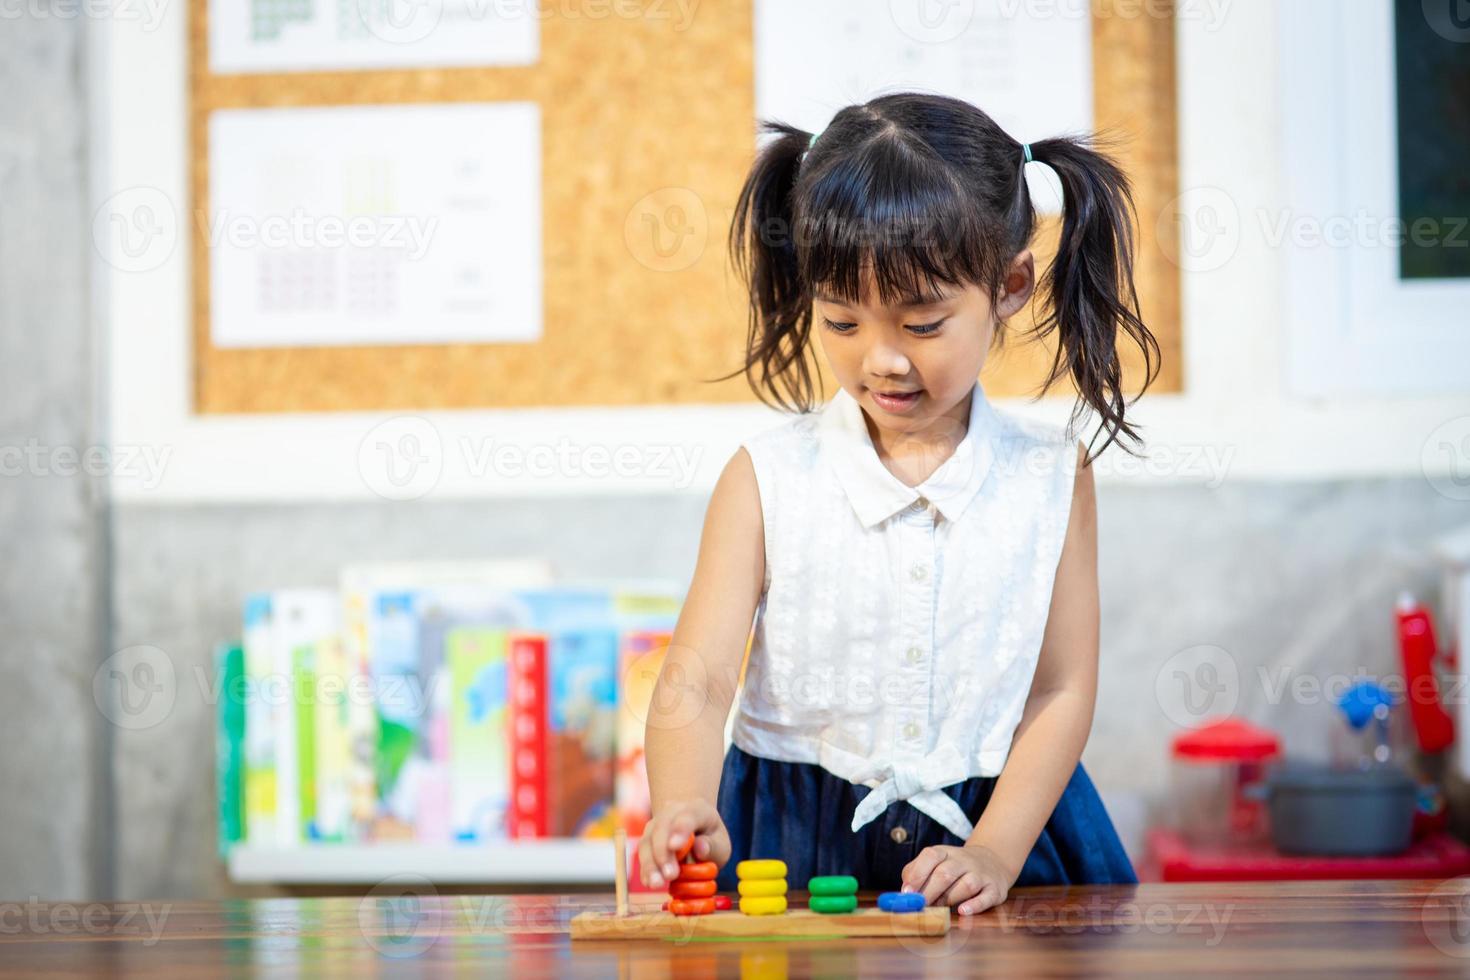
<point>229,744</point>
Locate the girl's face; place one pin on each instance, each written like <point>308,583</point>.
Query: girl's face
<point>911,365</point>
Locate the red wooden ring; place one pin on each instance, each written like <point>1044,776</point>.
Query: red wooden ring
<point>683,851</point>
<point>692,889</point>
<point>722,903</point>
<point>699,871</point>
<point>691,906</point>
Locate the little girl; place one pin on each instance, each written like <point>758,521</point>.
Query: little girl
<point>920,566</point>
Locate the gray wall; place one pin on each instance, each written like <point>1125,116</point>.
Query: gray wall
<point>53,794</point>
<point>1281,577</point>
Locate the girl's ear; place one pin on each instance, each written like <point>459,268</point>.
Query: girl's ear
<point>1017,285</point>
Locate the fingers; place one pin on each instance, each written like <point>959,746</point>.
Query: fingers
<point>647,870</point>
<point>989,896</point>
<point>670,830</point>
<point>916,873</point>
<point>966,886</point>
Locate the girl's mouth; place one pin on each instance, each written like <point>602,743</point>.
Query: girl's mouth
<point>896,402</point>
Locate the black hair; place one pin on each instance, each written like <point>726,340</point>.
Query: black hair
<point>927,189</point>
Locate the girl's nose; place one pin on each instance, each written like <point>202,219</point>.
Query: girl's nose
<point>885,360</point>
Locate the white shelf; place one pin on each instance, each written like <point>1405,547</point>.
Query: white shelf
<point>552,862</point>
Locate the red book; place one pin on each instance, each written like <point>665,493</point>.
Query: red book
<point>529,806</point>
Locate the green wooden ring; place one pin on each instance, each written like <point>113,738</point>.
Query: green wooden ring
<point>832,904</point>
<point>833,885</point>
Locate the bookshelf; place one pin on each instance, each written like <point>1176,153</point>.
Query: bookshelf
<point>533,862</point>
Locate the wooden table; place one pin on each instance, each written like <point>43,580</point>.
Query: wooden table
<point>1375,927</point>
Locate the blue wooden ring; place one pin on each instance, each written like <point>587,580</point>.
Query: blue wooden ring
<point>901,901</point>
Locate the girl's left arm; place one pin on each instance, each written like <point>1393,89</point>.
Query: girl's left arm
<point>1048,741</point>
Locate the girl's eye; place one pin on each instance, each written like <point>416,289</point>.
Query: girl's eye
<point>918,330</point>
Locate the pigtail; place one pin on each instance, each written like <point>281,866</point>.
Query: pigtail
<point>1089,293</point>
<point>763,248</point>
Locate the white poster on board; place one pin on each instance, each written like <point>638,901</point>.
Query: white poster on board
<point>1029,66</point>
<point>363,225</point>
<point>321,35</point>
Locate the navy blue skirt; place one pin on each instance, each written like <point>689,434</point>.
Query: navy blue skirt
<point>802,814</point>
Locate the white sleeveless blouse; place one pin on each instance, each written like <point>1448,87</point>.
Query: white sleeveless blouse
<point>899,627</point>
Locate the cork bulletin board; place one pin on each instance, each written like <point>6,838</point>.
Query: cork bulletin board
<point>647,133</point>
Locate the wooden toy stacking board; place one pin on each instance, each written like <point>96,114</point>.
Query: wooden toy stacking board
<point>797,923</point>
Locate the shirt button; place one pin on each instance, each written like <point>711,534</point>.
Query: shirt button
<point>899,835</point>
<point>915,654</point>
<point>911,730</point>
<point>918,573</point>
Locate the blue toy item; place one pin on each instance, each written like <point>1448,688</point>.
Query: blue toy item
<point>901,901</point>
<point>1360,704</point>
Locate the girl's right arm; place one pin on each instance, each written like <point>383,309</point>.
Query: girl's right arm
<point>685,736</point>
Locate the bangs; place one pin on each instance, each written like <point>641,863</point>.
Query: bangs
<point>891,213</point>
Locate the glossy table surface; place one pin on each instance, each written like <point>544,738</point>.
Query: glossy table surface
<point>1372,927</point>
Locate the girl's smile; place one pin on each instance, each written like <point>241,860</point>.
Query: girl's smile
<point>896,402</point>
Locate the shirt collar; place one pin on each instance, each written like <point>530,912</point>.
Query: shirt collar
<point>876,494</point>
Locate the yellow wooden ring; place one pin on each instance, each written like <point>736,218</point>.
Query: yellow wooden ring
<point>762,887</point>
<point>765,905</point>
<point>760,868</point>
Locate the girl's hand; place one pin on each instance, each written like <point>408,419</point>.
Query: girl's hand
<point>670,829</point>
<point>972,877</point>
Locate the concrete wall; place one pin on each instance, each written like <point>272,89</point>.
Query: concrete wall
<point>53,793</point>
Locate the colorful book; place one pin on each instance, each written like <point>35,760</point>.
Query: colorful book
<point>302,619</point>
<point>261,822</point>
<point>229,744</point>
<point>641,659</point>
<point>581,723</point>
<point>530,798</point>
<point>400,778</point>
<point>479,733</point>
<point>333,745</point>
